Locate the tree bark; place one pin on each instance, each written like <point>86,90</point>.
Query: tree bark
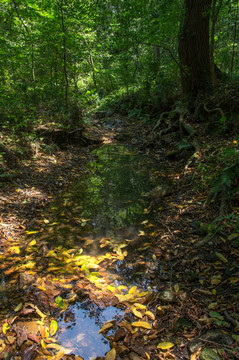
<point>193,47</point>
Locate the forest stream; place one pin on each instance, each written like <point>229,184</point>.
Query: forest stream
<point>118,265</point>
<point>103,213</point>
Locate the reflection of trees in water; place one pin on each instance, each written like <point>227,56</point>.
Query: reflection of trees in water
<point>108,196</point>
<point>111,192</point>
<point>86,310</point>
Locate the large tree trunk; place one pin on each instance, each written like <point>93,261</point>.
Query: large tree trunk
<point>193,47</point>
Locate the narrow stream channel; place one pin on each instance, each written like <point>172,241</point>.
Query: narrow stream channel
<point>108,202</point>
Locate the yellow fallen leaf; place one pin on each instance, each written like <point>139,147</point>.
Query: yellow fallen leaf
<point>176,288</point>
<point>165,345</point>
<point>43,344</point>
<point>140,306</point>
<point>5,328</point>
<point>126,297</point>
<point>53,327</point>
<point>111,288</point>
<point>32,243</point>
<point>105,327</point>
<point>111,355</point>
<point>147,356</point>
<point>150,315</point>
<point>195,355</point>
<point>18,307</point>
<point>136,313</point>
<point>15,249</point>
<point>132,290</point>
<point>142,324</point>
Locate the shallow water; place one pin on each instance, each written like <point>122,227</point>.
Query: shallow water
<point>79,329</point>
<point>108,202</point>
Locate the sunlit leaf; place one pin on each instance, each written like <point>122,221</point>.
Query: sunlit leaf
<point>15,249</point>
<point>111,288</point>
<point>142,324</point>
<point>136,313</point>
<point>150,315</point>
<point>5,328</point>
<point>60,302</point>
<point>111,355</point>
<point>176,288</point>
<point>29,265</point>
<point>43,344</point>
<point>32,243</point>
<point>105,327</point>
<point>140,306</point>
<point>132,290</point>
<point>165,345</point>
<point>126,297</point>
<point>195,355</point>
<point>53,327</point>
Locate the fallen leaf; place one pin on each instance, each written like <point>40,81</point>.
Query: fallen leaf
<point>111,355</point>
<point>165,345</point>
<point>18,307</point>
<point>53,327</point>
<point>221,257</point>
<point>142,324</point>
<point>150,315</point>
<point>140,306</point>
<point>195,355</point>
<point>5,328</point>
<point>136,313</point>
<point>105,327</point>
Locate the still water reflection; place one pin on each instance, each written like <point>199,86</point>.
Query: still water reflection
<point>79,329</point>
<point>107,201</point>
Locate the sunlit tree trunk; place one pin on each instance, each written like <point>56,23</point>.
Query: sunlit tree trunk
<point>193,47</point>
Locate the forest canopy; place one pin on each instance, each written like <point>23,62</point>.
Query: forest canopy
<point>55,54</point>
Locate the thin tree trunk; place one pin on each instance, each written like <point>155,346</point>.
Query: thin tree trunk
<point>214,16</point>
<point>64,53</point>
<point>234,41</point>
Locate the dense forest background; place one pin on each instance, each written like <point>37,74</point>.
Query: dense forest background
<point>148,60</point>
<point>58,54</point>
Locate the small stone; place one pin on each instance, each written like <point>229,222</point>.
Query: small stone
<point>194,345</point>
<point>24,280</point>
<point>218,337</point>
<point>159,192</point>
<point>167,296</point>
<point>209,354</point>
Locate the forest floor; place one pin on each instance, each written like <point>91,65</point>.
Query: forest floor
<point>192,311</point>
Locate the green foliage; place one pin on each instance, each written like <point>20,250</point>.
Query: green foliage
<point>229,174</point>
